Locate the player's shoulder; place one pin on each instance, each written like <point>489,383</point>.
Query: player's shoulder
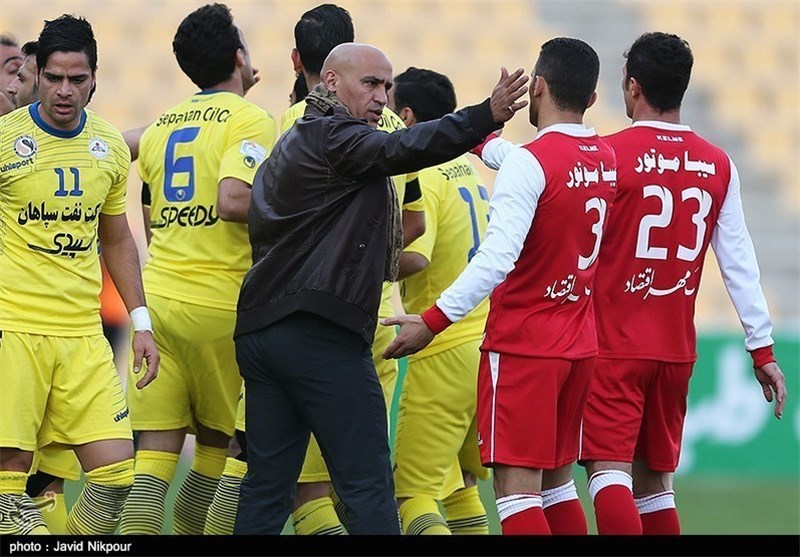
<point>16,119</point>
<point>106,140</point>
<point>248,108</point>
<point>454,170</point>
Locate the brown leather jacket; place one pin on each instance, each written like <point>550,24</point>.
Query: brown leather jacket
<point>318,215</point>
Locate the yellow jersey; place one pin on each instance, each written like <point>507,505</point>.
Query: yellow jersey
<point>54,185</point>
<point>194,256</point>
<point>456,218</point>
<point>389,122</point>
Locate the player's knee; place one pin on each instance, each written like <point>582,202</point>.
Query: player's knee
<point>15,460</point>
<point>212,437</point>
<point>648,482</point>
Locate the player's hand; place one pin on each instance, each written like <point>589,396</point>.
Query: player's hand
<point>414,335</point>
<point>144,348</point>
<point>773,383</point>
<point>504,101</point>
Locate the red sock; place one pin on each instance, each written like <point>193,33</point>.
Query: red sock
<point>615,511</point>
<point>567,518</point>
<point>529,521</point>
<point>661,523</point>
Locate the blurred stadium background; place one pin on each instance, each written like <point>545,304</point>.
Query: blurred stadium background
<point>740,470</point>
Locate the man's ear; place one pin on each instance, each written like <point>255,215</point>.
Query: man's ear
<point>296,62</point>
<point>407,116</point>
<point>240,60</point>
<point>635,88</point>
<point>539,86</point>
<point>592,99</point>
<point>330,79</point>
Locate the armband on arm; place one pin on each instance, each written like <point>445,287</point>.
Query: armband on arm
<point>140,319</point>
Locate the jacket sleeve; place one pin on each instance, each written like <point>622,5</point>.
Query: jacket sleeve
<point>354,149</point>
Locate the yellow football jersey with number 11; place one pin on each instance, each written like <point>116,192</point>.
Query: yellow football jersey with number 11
<point>53,187</point>
<point>195,256</point>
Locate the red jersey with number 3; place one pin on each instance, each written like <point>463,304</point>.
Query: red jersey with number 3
<point>670,189</point>
<point>543,308</point>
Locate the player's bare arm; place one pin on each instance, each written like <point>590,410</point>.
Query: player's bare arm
<point>233,200</point>
<point>122,259</point>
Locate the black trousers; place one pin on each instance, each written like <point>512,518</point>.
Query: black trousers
<point>307,374</point>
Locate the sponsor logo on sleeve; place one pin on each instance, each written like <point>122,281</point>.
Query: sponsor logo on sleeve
<point>254,154</point>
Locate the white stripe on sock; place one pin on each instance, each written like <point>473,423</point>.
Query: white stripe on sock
<point>657,502</point>
<point>553,496</point>
<point>605,478</point>
<point>513,504</point>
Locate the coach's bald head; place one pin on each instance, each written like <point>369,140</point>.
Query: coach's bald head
<point>360,75</point>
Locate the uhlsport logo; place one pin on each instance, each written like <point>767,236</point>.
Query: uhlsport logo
<point>25,146</point>
<point>98,148</point>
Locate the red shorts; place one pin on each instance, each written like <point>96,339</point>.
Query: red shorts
<point>636,409</point>
<point>529,409</point>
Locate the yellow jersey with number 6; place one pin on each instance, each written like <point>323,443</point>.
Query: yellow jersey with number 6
<point>195,256</point>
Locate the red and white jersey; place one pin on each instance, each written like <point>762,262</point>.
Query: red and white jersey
<point>547,215</point>
<point>676,194</point>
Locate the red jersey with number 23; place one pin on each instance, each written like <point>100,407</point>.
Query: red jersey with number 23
<point>671,187</point>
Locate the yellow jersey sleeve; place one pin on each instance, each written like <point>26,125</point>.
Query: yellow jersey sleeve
<point>424,244</point>
<point>251,134</point>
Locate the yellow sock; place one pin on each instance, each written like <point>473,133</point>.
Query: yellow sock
<point>197,490</point>
<point>222,512</point>
<point>317,517</point>
<point>420,516</point>
<point>144,509</point>
<point>99,506</point>
<point>465,512</point>
<point>18,513</point>
<point>54,511</point>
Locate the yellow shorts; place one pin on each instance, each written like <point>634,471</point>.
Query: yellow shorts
<point>436,430</point>
<point>314,469</point>
<point>198,380</point>
<point>59,390</point>
<point>58,461</point>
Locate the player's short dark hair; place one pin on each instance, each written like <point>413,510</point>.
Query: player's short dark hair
<point>429,94</point>
<point>206,44</point>
<point>662,64</point>
<point>319,31</point>
<point>67,33</point>
<point>571,68</point>
<point>30,48</point>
